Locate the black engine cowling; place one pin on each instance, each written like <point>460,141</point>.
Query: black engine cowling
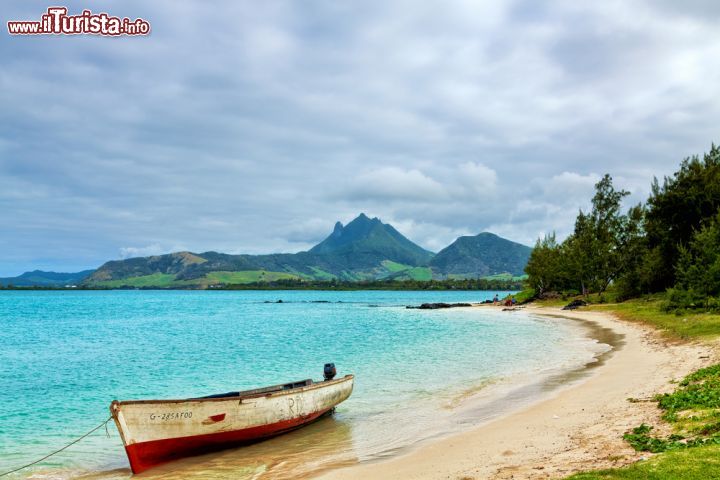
<point>329,371</point>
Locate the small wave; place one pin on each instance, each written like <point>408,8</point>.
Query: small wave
<point>460,397</point>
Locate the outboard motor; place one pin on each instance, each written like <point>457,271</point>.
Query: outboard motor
<point>329,371</point>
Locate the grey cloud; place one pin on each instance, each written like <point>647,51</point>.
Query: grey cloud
<point>253,127</point>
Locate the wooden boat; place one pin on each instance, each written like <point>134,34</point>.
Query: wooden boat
<point>159,431</point>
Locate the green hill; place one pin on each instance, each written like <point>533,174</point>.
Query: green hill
<point>483,255</point>
<point>39,278</point>
<point>364,249</point>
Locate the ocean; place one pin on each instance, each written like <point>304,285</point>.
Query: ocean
<point>420,374</point>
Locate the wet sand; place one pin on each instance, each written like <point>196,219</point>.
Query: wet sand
<point>579,427</point>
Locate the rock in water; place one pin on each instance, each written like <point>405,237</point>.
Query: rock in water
<point>436,306</point>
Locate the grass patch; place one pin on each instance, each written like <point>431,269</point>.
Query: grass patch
<point>679,325</point>
<point>506,277</point>
<point>246,276</point>
<point>394,267</point>
<point>693,410</point>
<point>399,271</point>
<point>160,280</point>
<point>165,280</point>
<point>525,295</point>
<point>692,451</point>
<point>320,274</point>
<point>419,273</point>
<point>649,309</point>
<point>691,464</point>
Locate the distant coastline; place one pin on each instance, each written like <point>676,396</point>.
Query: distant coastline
<point>480,284</point>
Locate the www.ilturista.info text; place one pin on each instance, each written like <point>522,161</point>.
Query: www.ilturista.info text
<point>57,22</point>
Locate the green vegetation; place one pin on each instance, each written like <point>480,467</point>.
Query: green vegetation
<point>595,254</point>
<point>404,277</point>
<point>422,274</point>
<point>248,276</point>
<point>698,394</point>
<point>387,284</point>
<point>525,295</point>
<point>262,280</point>
<point>164,280</point>
<point>691,464</point>
<point>39,278</point>
<point>398,271</point>
<point>320,274</point>
<point>482,255</point>
<point>671,243</point>
<point>506,277</point>
<point>698,271</point>
<point>650,309</point>
<point>676,211</point>
<point>160,280</point>
<point>693,447</point>
<point>545,268</point>
<point>394,266</point>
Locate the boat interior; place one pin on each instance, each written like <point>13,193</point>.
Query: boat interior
<point>263,390</point>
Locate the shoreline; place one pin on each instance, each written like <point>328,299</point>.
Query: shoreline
<point>462,412</point>
<point>578,426</point>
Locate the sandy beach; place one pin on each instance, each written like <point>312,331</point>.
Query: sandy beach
<point>579,427</point>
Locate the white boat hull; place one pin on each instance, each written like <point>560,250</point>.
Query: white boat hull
<point>158,431</point>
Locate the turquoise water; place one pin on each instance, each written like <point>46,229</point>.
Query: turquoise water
<point>65,355</point>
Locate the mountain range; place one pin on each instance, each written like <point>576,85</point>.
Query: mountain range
<point>364,249</point>
<point>39,278</point>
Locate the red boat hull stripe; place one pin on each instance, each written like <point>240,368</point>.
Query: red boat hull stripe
<point>146,455</point>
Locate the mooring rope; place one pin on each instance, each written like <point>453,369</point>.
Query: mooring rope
<point>57,451</point>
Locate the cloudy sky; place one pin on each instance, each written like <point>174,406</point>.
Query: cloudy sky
<point>252,126</point>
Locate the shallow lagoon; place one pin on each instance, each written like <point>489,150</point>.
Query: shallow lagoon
<point>65,355</point>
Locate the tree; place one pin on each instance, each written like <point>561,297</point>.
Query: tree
<point>578,253</point>
<point>676,210</point>
<point>611,230</point>
<point>634,278</point>
<point>596,249</point>
<point>544,267</point>
<point>604,243</point>
<point>698,267</point>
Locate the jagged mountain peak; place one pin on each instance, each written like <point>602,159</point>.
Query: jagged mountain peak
<point>367,236</point>
<point>338,228</point>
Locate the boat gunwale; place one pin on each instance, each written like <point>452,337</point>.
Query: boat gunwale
<point>326,383</point>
